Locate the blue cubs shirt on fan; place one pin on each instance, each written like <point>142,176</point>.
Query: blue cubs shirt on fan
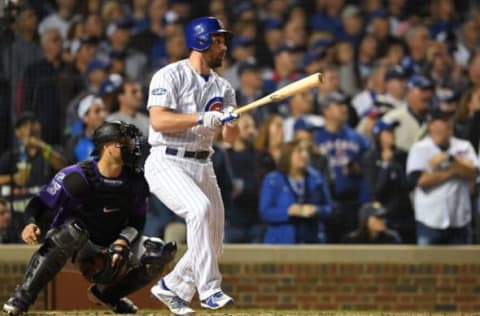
<point>342,148</point>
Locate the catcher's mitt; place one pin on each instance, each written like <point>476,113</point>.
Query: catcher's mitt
<point>99,269</point>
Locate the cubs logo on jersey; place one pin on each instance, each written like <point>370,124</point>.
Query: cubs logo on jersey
<point>214,104</point>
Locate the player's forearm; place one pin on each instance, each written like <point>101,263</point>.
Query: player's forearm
<point>170,122</point>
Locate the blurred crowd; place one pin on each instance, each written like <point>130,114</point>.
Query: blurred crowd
<point>384,150</point>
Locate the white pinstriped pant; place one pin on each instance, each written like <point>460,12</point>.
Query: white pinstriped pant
<point>189,188</point>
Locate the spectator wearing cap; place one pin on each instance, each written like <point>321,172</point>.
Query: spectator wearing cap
<point>413,117</point>
<point>91,111</point>
<point>244,11</point>
<point>28,164</point>
<point>298,214</point>
<point>442,168</point>
<point>372,228</point>
<point>395,88</point>
<point>74,124</point>
<point>61,19</point>
<point>352,25</point>
<point>95,74</point>
<point>108,92</point>
<point>367,122</point>
<point>344,148</point>
<point>40,90</point>
<point>467,117</point>
<point>312,61</point>
<point>130,101</point>
<point>117,62</point>
<point>384,170</point>
<point>251,89</point>
<point>242,50</point>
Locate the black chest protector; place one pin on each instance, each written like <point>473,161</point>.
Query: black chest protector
<point>110,202</point>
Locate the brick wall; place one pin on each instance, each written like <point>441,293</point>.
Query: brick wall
<point>399,278</point>
<point>352,286</point>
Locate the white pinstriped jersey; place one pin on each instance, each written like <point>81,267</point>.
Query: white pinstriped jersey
<point>181,89</point>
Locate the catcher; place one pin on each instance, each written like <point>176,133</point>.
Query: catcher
<point>98,210</point>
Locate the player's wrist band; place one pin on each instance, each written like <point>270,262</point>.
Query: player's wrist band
<point>200,118</point>
<point>129,233</point>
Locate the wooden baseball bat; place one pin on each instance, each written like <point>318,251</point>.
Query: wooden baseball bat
<point>285,92</point>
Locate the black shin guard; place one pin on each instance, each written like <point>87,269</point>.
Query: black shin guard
<point>48,260</point>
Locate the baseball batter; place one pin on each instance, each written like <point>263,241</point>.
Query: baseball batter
<point>188,102</point>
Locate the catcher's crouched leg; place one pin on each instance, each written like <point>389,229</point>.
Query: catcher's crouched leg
<point>60,244</point>
<point>155,257</point>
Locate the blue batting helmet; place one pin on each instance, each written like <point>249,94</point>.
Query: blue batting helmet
<point>198,32</point>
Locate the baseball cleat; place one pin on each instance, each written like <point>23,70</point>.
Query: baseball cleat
<point>174,303</point>
<point>14,307</point>
<point>119,306</point>
<point>216,301</point>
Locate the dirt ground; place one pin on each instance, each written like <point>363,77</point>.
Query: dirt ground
<point>251,313</point>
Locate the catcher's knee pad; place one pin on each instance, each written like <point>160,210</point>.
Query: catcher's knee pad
<point>157,254</point>
<point>69,238</point>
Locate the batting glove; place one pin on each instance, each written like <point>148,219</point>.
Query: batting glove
<point>210,118</point>
<point>229,116</point>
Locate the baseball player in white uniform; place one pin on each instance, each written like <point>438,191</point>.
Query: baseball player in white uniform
<point>188,102</point>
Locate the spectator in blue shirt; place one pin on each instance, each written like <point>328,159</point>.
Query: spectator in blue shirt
<point>294,201</point>
<point>344,148</point>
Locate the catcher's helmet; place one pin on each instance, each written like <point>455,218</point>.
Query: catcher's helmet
<point>115,131</point>
<point>198,32</point>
